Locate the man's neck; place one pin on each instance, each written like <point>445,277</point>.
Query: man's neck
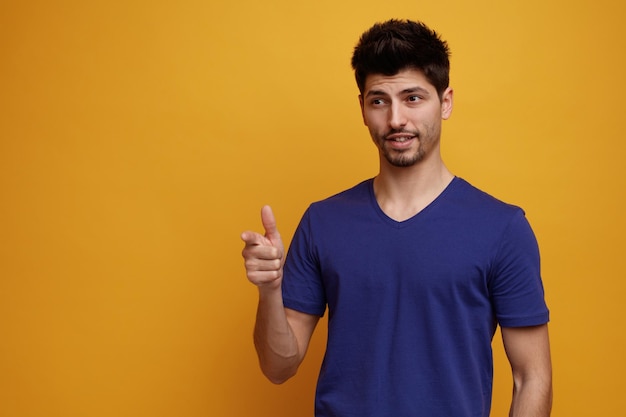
<point>403,192</point>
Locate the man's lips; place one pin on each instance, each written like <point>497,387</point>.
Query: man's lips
<point>400,137</point>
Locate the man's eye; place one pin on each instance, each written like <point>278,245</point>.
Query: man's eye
<point>378,101</point>
<point>414,98</point>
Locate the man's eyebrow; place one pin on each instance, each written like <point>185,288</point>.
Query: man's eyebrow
<point>375,93</point>
<point>409,90</point>
<point>420,90</point>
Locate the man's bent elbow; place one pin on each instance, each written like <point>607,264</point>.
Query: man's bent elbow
<point>278,376</point>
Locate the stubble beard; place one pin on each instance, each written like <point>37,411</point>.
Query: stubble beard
<point>409,157</point>
<point>401,159</point>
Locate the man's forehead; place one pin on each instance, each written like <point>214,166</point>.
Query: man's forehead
<point>404,81</point>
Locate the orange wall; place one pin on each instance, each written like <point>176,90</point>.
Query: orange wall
<point>138,139</point>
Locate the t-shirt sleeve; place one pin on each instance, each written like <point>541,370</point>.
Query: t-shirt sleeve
<point>516,286</point>
<point>302,287</point>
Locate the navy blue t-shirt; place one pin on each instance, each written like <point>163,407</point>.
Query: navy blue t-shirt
<point>413,305</point>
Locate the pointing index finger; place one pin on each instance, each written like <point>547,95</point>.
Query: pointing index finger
<point>252,238</point>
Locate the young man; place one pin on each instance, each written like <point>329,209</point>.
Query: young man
<point>416,266</point>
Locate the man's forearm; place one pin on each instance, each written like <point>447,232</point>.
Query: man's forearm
<point>532,399</point>
<point>275,342</point>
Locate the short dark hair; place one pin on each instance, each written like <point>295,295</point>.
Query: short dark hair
<point>395,45</point>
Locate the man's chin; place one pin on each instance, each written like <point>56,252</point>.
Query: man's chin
<point>403,161</point>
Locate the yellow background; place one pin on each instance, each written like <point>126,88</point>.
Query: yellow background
<point>139,138</point>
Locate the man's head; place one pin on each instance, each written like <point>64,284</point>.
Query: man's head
<point>395,45</point>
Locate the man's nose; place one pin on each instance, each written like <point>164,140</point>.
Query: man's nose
<point>397,116</point>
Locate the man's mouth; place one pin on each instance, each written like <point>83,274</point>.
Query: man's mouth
<point>399,137</point>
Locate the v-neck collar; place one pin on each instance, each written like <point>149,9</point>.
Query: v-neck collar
<point>415,217</point>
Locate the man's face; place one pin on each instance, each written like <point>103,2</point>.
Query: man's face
<point>403,113</point>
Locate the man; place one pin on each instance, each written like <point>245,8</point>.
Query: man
<point>416,266</point>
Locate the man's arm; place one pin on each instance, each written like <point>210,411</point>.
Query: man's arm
<point>528,351</point>
<point>281,336</point>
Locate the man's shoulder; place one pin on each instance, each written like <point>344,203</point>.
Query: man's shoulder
<point>472,206</point>
<point>342,206</point>
<point>468,194</point>
<point>359,192</point>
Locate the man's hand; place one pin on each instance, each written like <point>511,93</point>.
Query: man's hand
<point>264,255</point>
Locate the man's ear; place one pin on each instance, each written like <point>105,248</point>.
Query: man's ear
<point>362,108</point>
<point>447,101</point>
